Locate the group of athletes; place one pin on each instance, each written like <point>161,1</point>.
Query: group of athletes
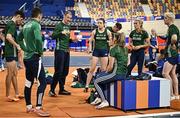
<point>108,47</point>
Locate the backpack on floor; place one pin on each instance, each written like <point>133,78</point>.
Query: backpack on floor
<point>80,77</point>
<point>92,96</point>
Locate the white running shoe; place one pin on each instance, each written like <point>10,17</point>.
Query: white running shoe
<point>96,101</point>
<point>103,105</point>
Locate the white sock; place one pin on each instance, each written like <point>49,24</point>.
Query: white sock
<point>29,106</point>
<point>38,107</point>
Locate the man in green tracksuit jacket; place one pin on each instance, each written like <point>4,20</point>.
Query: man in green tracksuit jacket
<point>33,49</point>
<point>11,54</point>
<point>61,63</point>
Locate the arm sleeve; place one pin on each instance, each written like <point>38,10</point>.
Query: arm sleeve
<point>172,32</point>
<point>146,35</point>
<point>131,35</point>
<point>11,30</point>
<point>113,52</point>
<point>57,31</point>
<point>20,36</point>
<point>20,39</point>
<point>38,38</point>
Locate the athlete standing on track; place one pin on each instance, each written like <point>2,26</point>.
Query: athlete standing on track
<point>11,54</point>
<point>33,50</point>
<point>103,39</point>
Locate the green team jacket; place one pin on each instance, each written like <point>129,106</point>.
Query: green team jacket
<point>10,50</point>
<point>30,39</point>
<point>62,40</point>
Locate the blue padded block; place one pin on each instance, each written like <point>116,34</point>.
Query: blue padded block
<point>154,92</point>
<point>128,95</point>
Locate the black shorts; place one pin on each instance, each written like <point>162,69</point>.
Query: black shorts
<point>9,59</point>
<point>100,53</point>
<point>172,60</point>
